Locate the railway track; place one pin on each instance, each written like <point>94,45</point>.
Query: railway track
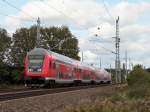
<point>37,92</point>
<point>15,90</point>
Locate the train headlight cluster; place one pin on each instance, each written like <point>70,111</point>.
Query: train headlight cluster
<point>30,70</point>
<point>39,70</point>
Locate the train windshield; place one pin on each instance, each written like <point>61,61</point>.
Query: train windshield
<point>36,61</point>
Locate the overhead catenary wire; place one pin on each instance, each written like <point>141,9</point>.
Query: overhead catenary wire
<point>108,12</point>
<point>64,14</point>
<point>61,12</point>
<point>51,7</point>
<point>14,17</point>
<point>103,40</point>
<point>60,42</point>
<point>78,10</point>
<point>106,49</point>
<point>13,6</point>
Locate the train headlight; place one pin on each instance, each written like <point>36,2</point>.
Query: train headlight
<point>39,70</point>
<point>30,70</point>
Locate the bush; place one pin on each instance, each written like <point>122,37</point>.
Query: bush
<point>4,76</point>
<point>11,75</point>
<point>138,82</point>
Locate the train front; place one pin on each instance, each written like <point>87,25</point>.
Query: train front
<point>36,67</point>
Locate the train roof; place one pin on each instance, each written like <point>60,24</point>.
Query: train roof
<point>37,51</point>
<point>41,51</point>
<point>60,57</point>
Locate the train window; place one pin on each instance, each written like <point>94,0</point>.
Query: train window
<point>36,61</point>
<point>61,75</point>
<point>50,64</point>
<point>54,65</point>
<point>80,70</point>
<point>75,69</point>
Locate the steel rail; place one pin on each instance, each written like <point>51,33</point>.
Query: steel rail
<point>30,93</point>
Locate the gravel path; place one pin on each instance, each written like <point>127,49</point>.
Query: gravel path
<point>54,102</point>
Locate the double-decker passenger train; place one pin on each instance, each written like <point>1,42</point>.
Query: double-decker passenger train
<point>44,67</point>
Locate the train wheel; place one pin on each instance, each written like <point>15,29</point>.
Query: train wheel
<point>51,84</point>
<point>108,82</point>
<point>77,83</point>
<point>92,82</point>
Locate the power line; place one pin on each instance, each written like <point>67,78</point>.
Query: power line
<point>106,49</point>
<point>1,26</point>
<point>17,8</point>
<point>107,10</point>
<point>13,17</point>
<point>61,12</point>
<point>103,40</point>
<point>78,10</point>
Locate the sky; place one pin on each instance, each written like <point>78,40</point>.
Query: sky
<point>85,18</point>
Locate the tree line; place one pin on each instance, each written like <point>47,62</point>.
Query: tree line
<point>14,48</point>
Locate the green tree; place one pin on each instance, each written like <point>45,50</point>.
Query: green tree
<point>5,42</point>
<point>148,69</point>
<point>60,40</point>
<point>57,39</point>
<point>23,41</point>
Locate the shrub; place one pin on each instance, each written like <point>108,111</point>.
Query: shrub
<point>138,82</point>
<point>11,75</point>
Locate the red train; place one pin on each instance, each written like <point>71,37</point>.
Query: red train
<point>44,67</point>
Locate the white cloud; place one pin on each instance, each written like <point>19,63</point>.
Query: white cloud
<point>130,12</point>
<point>84,16</point>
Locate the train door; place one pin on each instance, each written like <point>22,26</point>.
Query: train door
<point>70,72</point>
<point>52,68</point>
<point>58,70</point>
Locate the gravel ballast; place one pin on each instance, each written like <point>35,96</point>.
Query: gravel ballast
<point>55,102</point>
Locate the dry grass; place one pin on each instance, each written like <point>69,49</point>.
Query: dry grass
<point>134,98</point>
<point>113,104</point>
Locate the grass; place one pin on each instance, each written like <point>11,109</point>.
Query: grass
<point>134,98</point>
<point>8,86</point>
<point>110,106</point>
<point>116,103</point>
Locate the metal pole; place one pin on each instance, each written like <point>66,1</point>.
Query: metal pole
<point>117,62</point>
<point>100,63</point>
<point>82,56</point>
<point>126,59</point>
<point>129,64</point>
<point>110,68</point>
<point>38,33</point>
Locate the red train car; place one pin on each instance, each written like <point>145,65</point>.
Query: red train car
<point>44,67</point>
